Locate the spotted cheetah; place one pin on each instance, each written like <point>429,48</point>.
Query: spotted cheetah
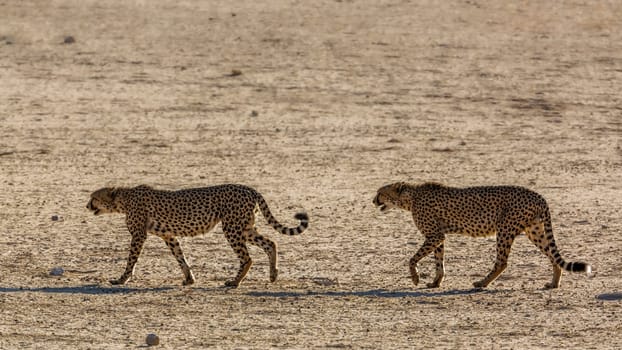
<point>191,212</point>
<point>477,212</point>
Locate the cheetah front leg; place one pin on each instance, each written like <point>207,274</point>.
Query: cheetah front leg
<point>439,258</point>
<point>236,240</point>
<point>175,248</point>
<point>430,244</point>
<point>136,246</point>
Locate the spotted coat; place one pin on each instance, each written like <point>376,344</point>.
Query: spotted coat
<point>504,211</point>
<point>190,212</point>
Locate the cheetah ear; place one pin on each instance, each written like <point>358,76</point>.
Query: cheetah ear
<point>112,193</point>
<point>399,187</point>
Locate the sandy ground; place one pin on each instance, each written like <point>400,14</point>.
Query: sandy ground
<point>334,99</point>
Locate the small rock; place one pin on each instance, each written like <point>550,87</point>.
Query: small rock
<point>254,113</point>
<point>235,73</point>
<point>55,218</point>
<point>69,40</point>
<point>57,271</point>
<point>152,339</point>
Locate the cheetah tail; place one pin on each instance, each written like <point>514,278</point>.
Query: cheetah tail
<point>303,217</point>
<point>553,253</point>
<point>568,266</point>
<point>577,267</point>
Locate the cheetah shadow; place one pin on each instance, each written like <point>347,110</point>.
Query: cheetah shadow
<point>614,296</point>
<point>374,293</point>
<point>86,290</point>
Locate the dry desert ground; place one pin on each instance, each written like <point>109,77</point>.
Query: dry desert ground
<point>316,104</point>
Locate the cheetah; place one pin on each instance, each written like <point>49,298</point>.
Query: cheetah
<point>190,212</point>
<point>506,211</point>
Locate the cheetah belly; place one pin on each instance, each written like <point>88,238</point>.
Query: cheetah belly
<point>473,227</point>
<point>164,228</point>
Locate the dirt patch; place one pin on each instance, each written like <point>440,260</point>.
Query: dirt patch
<point>316,105</point>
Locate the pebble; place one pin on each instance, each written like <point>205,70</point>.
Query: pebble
<point>152,339</point>
<point>57,271</point>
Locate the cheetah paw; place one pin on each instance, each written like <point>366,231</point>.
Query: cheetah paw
<point>415,279</point>
<point>479,284</point>
<point>273,275</point>
<point>232,284</point>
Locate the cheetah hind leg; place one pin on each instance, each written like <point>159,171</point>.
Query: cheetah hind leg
<point>557,276</point>
<point>236,241</point>
<point>504,244</point>
<point>269,247</point>
<point>537,234</point>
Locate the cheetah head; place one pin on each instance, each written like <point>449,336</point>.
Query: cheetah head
<point>389,196</point>
<point>103,201</point>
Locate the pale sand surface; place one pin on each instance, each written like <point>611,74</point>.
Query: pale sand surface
<point>348,96</point>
